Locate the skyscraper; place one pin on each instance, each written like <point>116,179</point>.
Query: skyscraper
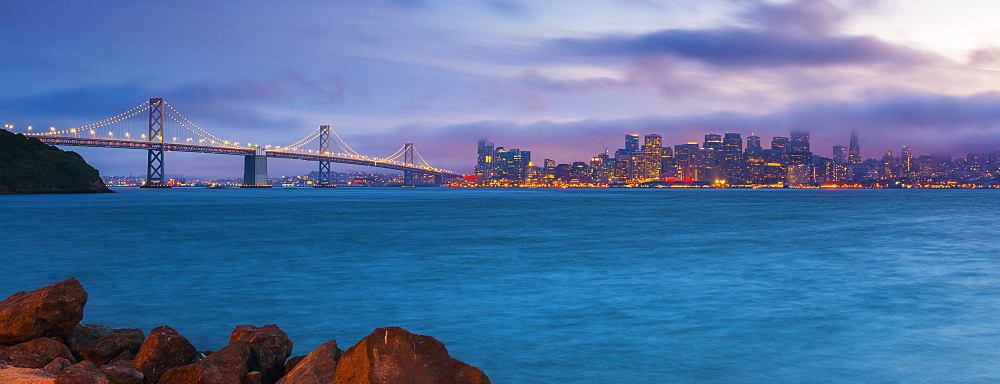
<point>779,150</point>
<point>854,153</point>
<point>906,166</point>
<point>632,142</point>
<point>798,152</point>
<point>712,141</point>
<point>753,143</point>
<point>485,164</point>
<point>730,159</point>
<point>839,154</point>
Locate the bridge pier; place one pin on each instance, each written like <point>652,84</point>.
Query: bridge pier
<point>255,170</point>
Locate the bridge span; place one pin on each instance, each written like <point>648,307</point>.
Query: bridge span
<point>123,132</point>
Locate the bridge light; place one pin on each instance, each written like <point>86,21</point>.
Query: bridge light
<point>29,127</point>
<point>110,134</point>
<point>92,132</point>
<point>127,134</point>
<point>142,135</point>
<point>53,129</point>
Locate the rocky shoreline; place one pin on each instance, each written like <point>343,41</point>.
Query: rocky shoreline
<point>43,341</point>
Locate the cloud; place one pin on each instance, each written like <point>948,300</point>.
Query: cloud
<point>746,47</point>
<point>509,8</point>
<point>815,17</point>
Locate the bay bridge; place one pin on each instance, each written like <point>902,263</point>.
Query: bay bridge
<point>167,130</point>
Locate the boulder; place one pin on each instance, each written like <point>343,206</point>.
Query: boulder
<point>57,365</point>
<point>36,353</point>
<point>318,367</point>
<point>393,355</point>
<point>252,378</point>
<point>162,350</point>
<point>263,349</point>
<point>83,373</point>
<point>121,373</point>
<point>87,333</point>
<point>291,363</point>
<point>104,349</point>
<point>52,311</point>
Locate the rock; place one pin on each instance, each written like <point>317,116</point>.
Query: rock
<point>252,378</point>
<point>36,353</point>
<point>393,355</point>
<point>52,311</point>
<point>318,367</point>
<point>125,357</point>
<point>121,373</point>
<point>102,350</point>
<point>83,373</point>
<point>263,349</point>
<point>291,363</point>
<point>87,333</point>
<point>163,349</point>
<point>57,365</point>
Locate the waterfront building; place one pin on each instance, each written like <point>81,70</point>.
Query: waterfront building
<point>730,159</point>
<point>798,149</point>
<point>485,166</point>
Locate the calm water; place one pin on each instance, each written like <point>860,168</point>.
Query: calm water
<point>539,286</point>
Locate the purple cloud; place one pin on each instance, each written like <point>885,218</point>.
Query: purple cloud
<point>734,47</point>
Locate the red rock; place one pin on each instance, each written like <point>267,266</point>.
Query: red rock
<point>393,355</point>
<point>121,373</point>
<point>318,367</point>
<point>36,353</point>
<point>252,378</point>
<point>102,350</point>
<point>87,333</point>
<point>291,363</point>
<point>52,311</point>
<point>83,373</point>
<point>250,348</point>
<point>57,365</point>
<point>163,349</point>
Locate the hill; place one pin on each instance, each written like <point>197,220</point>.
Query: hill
<point>28,165</point>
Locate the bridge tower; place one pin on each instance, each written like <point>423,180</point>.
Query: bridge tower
<point>325,179</point>
<point>255,169</point>
<point>408,176</point>
<point>154,157</point>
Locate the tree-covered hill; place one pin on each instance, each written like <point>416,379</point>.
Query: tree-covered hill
<point>28,165</point>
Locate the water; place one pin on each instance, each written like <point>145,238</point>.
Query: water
<point>539,286</point>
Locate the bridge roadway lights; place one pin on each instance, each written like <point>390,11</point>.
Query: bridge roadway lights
<point>255,170</point>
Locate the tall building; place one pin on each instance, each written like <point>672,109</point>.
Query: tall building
<point>779,150</point>
<point>632,142</point>
<point>712,141</point>
<point>753,143</point>
<point>798,149</point>
<point>854,152</point>
<point>511,164</point>
<point>485,164</point>
<point>906,162</point>
<point>839,154</point>
<point>730,159</point>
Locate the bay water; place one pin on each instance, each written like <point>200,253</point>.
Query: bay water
<point>549,285</point>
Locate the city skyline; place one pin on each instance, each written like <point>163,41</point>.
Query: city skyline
<point>553,77</point>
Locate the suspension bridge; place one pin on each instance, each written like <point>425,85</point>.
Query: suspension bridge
<point>167,130</point>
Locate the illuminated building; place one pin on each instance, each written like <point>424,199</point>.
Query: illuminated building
<point>854,153</point>
<point>729,159</point>
<point>510,165</point>
<point>779,150</point>
<point>839,154</point>
<point>798,150</point>
<point>485,166</point>
<point>712,141</point>
<point>753,143</point>
<point>906,162</point>
<point>632,142</point>
<point>753,160</point>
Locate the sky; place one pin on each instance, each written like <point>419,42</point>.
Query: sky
<point>550,77</point>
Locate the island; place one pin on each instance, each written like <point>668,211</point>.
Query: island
<point>28,165</point>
